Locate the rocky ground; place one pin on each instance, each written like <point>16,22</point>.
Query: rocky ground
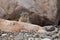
<point>23,19</point>
<point>50,33</point>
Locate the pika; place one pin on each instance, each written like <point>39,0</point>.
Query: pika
<point>24,17</point>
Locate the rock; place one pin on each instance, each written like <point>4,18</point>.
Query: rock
<point>49,28</point>
<point>46,39</point>
<point>3,34</point>
<point>8,8</point>
<point>2,12</point>
<point>13,8</point>
<point>42,31</point>
<point>46,9</point>
<point>40,20</point>
<point>41,15</point>
<point>10,37</point>
<point>19,36</point>
<point>14,26</point>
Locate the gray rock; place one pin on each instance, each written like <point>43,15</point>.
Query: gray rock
<point>20,36</point>
<point>46,39</point>
<point>49,28</point>
<point>46,9</point>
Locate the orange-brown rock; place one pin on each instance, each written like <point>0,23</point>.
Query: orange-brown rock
<point>14,26</point>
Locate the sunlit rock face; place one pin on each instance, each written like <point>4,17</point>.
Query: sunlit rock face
<point>14,26</point>
<point>11,9</point>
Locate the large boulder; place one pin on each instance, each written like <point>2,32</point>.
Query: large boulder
<point>14,26</point>
<point>45,9</point>
<point>8,7</point>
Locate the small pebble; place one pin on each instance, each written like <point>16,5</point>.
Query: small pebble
<point>3,34</point>
<point>46,39</point>
<point>49,28</point>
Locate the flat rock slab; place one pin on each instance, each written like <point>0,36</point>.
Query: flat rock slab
<point>14,26</point>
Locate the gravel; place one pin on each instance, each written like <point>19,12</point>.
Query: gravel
<point>31,35</point>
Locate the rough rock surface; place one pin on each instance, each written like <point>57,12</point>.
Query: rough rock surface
<point>47,8</point>
<point>31,35</point>
<point>14,26</point>
<point>25,14</point>
<point>13,8</point>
